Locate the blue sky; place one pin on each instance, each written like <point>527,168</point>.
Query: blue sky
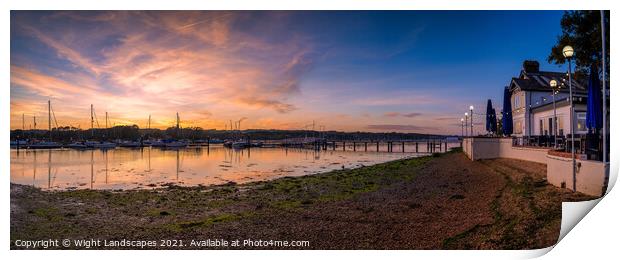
<point>411,71</point>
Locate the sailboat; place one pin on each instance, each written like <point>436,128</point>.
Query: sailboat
<point>240,144</point>
<point>100,145</point>
<point>76,145</point>
<point>176,143</point>
<point>47,144</point>
<point>97,144</point>
<point>130,144</point>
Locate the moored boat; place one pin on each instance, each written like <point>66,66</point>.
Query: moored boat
<point>176,144</point>
<point>21,143</point>
<point>100,145</point>
<point>240,145</point>
<point>44,145</point>
<point>130,144</point>
<point>76,145</point>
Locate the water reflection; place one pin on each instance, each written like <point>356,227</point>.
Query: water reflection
<point>128,168</point>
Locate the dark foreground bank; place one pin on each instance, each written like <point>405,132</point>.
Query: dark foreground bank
<point>440,202</point>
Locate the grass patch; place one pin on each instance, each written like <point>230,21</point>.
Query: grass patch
<point>292,192</point>
<point>49,213</point>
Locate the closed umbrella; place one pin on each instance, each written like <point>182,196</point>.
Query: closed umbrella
<point>488,117</point>
<point>594,116</point>
<point>507,113</point>
<point>493,121</point>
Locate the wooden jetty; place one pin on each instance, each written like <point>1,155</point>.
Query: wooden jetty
<point>408,146</point>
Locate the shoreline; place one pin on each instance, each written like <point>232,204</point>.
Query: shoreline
<point>430,202</point>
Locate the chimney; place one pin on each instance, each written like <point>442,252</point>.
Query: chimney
<point>531,66</point>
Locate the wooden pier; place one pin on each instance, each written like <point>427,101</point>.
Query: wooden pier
<point>392,146</point>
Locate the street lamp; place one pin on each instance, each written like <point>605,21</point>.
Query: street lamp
<point>462,126</point>
<point>568,53</point>
<point>554,84</point>
<point>471,118</point>
<point>466,115</point>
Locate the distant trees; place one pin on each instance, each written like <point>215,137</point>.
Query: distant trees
<point>133,132</point>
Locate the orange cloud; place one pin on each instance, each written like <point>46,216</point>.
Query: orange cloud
<point>162,62</point>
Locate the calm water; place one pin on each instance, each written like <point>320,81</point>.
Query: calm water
<point>124,168</point>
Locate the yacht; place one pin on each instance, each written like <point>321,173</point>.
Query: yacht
<point>77,145</point>
<point>101,145</point>
<point>154,143</point>
<point>176,144</point>
<point>240,145</point>
<point>129,144</point>
<point>19,142</point>
<point>44,145</point>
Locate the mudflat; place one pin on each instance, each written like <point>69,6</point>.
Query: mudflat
<point>436,202</point>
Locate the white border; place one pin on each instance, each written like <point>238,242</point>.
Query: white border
<point>596,235</point>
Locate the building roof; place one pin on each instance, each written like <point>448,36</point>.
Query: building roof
<point>532,79</point>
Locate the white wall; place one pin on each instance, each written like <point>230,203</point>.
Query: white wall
<point>490,148</point>
<point>562,112</point>
<point>563,120</point>
<point>590,175</point>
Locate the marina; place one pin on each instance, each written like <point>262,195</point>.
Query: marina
<point>149,167</point>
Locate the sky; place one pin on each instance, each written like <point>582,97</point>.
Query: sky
<point>377,71</point>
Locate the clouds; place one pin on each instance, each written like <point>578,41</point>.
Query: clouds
<point>62,49</point>
<point>190,58</point>
<point>389,127</point>
<point>398,114</point>
<point>214,66</point>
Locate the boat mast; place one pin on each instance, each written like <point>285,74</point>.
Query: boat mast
<point>34,119</point>
<point>49,118</point>
<point>149,122</point>
<point>177,124</point>
<point>23,122</point>
<point>92,122</point>
<point>106,125</point>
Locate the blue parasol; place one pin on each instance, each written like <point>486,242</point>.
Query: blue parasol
<point>493,121</point>
<point>507,113</point>
<point>594,116</point>
<point>489,127</point>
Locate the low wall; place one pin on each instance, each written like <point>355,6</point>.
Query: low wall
<point>590,176</point>
<point>478,148</point>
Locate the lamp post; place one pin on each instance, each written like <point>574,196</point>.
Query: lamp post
<point>466,115</point>
<point>471,118</point>
<point>462,126</point>
<point>568,53</point>
<point>554,84</point>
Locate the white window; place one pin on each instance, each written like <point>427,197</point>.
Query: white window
<point>517,101</point>
<point>580,121</point>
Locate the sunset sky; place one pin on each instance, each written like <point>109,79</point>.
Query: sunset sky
<point>414,71</point>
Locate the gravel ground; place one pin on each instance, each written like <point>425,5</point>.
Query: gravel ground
<point>439,202</point>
